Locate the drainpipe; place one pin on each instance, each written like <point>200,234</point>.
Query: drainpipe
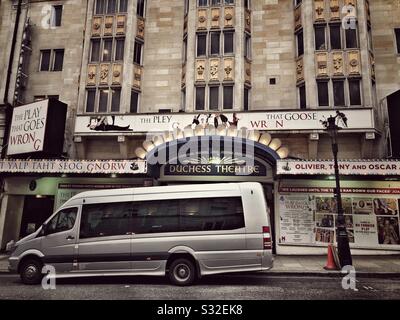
<point>8,105</point>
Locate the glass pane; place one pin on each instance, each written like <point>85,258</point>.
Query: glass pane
<point>112,6</point>
<point>100,6</point>
<point>58,60</point>
<point>116,97</point>
<point>119,50</point>
<point>57,15</point>
<point>140,8</point>
<point>215,2</point>
<point>215,42</point>
<point>228,42</point>
<point>123,6</point>
<point>338,93</point>
<point>200,92</point>
<point>66,220</point>
<point>95,54</point>
<point>303,99</point>
<point>351,38</point>
<point>201,44</point>
<point>336,42</point>
<point>320,38</point>
<point>137,54</point>
<point>246,99</point>
<point>107,49</point>
<point>214,98</point>
<point>323,98</point>
<point>300,44</point>
<point>397,31</point>
<point>103,100</point>
<point>134,102</point>
<point>91,94</point>
<point>229,1</point>
<point>355,94</point>
<point>45,60</point>
<point>203,3</point>
<point>228,97</point>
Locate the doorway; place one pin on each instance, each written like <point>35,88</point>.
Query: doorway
<point>36,211</point>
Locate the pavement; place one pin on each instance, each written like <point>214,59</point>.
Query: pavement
<point>383,265</point>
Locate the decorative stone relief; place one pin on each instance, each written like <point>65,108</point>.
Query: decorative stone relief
<point>121,23</point>
<point>335,9</point>
<point>337,63</point>
<point>108,25</point>
<point>200,70</point>
<point>322,64</point>
<point>229,17</point>
<point>202,19</point>
<point>96,26</point>
<point>137,76</point>
<point>91,75</point>
<point>319,10</point>
<point>140,28</point>
<point>104,74</point>
<point>353,63</point>
<point>299,70</point>
<point>117,74</point>
<point>215,17</point>
<point>297,18</point>
<point>214,70</point>
<point>229,72</point>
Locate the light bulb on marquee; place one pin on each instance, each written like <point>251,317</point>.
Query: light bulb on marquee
<point>265,139</point>
<point>275,144</point>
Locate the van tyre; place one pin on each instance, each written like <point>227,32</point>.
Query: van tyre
<point>182,272</point>
<point>31,271</point>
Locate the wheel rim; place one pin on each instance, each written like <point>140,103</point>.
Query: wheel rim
<point>182,272</point>
<point>31,271</point>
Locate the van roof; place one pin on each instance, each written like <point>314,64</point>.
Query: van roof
<point>161,189</point>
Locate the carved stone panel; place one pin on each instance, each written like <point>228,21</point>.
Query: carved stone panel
<point>229,17</point>
<point>137,76</point>
<point>200,70</point>
<point>300,70</point>
<point>121,24</point>
<point>247,72</point>
<point>319,10</point>
<point>214,70</point>
<point>91,75</point>
<point>140,28</point>
<point>335,9</point>
<point>322,64</point>
<point>117,74</point>
<point>354,63</point>
<point>338,63</point>
<point>215,17</point>
<point>229,69</point>
<point>104,74</point>
<point>96,26</point>
<point>108,25</point>
<point>297,18</point>
<point>202,19</point>
<point>247,20</point>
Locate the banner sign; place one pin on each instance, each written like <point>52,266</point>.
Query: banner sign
<point>74,166</point>
<point>358,119</point>
<point>361,167</point>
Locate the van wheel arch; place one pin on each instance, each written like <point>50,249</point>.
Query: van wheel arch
<point>29,257</point>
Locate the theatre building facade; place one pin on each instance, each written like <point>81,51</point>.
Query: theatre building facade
<point>135,93</point>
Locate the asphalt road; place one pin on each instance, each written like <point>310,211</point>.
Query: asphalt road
<point>241,287</point>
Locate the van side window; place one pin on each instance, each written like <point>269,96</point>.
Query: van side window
<point>156,216</point>
<point>106,219</point>
<point>62,221</point>
<point>211,214</point>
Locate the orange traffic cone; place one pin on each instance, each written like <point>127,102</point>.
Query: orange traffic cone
<point>330,263</point>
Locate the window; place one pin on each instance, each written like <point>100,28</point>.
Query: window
<point>297,2</point>
<point>186,9</point>
<point>338,93</point>
<point>58,60</point>
<point>228,97</point>
<point>211,214</point>
<point>355,93</point>
<point>107,50</point>
<point>320,37</point>
<point>300,43</point>
<point>54,96</point>
<point>202,3</point>
<point>184,48</point>
<point>200,98</point>
<point>56,16</point>
<point>111,6</point>
<point>323,94</point>
<point>90,100</point>
<point>370,42</point>
<point>229,1</point>
<point>228,42</point>
<point>62,221</point>
<point>123,6</point>
<point>140,9</point>
<point>134,101</point>
<point>115,99</point>
<point>106,219</point>
<point>336,40</point>
<point>201,44</point>
<point>119,49</point>
<point>215,2</point>
<point>247,4</point>
<point>303,97</point>
<point>397,34</point>
<point>100,6</point>
<point>246,98</point>
<point>214,98</point>
<point>247,47</point>
<point>95,51</point>
<point>214,48</point>
<point>103,100</point>
<point>137,53</point>
<point>45,60</point>
<point>351,38</point>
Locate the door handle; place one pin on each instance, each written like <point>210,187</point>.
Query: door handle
<point>70,238</point>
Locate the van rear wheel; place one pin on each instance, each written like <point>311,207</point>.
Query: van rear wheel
<point>182,272</point>
<point>31,271</point>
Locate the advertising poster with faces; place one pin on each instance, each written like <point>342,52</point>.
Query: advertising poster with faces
<point>371,221</point>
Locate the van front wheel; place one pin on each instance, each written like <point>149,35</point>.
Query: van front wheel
<point>182,272</point>
<point>31,271</point>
